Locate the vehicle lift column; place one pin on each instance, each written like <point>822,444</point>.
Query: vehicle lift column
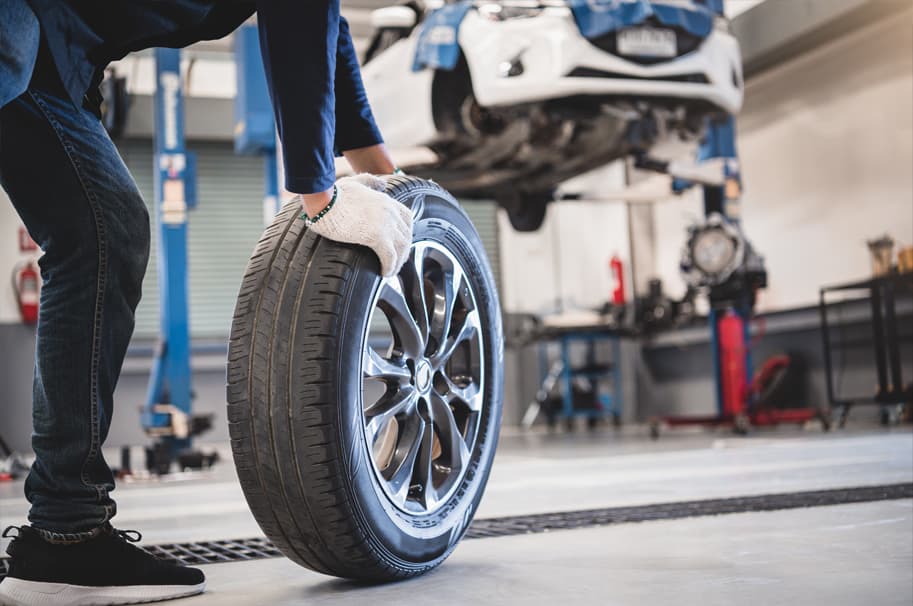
<point>167,414</point>
<point>255,127</point>
<point>168,411</point>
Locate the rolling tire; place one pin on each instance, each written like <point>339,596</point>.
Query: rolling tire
<point>298,365</point>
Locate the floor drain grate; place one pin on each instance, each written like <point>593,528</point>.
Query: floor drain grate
<point>537,523</point>
<point>214,552</point>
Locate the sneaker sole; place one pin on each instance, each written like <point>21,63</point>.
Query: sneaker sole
<point>17,592</point>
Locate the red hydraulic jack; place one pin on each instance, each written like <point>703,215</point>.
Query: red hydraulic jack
<point>734,393</point>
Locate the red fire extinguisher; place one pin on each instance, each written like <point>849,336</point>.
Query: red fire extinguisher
<point>27,286</point>
<point>618,294</point>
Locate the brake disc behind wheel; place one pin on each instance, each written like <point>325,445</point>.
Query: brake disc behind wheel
<point>364,412</point>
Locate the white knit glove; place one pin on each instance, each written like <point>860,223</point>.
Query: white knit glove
<point>364,214</point>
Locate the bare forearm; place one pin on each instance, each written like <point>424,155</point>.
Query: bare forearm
<point>373,159</point>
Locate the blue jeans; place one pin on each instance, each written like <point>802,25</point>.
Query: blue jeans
<point>80,204</point>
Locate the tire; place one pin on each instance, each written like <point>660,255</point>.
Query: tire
<point>527,218</point>
<point>525,210</point>
<point>300,357</point>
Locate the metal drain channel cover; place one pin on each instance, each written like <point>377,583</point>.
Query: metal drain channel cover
<point>214,552</point>
<point>500,527</point>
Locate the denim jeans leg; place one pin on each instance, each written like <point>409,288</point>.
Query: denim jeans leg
<point>79,202</point>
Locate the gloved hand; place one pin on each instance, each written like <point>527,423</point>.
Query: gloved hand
<point>364,214</point>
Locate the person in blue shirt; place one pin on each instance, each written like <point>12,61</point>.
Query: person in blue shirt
<point>73,192</point>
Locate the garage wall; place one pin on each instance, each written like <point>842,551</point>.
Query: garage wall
<point>565,264</point>
<point>826,143</point>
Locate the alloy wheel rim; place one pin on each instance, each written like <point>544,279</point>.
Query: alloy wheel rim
<point>423,379</point>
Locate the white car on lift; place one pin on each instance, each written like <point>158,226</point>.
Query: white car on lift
<point>516,96</point>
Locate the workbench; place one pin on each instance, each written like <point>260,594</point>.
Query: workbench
<point>890,300</point>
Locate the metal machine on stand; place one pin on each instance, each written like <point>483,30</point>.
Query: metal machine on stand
<point>718,260</point>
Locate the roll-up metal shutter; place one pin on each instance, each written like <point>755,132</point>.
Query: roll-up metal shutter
<point>484,215</point>
<point>223,230</point>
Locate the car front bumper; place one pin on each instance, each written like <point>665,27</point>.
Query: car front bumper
<point>551,60</point>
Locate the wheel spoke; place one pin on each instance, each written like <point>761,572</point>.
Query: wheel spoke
<point>469,326</point>
<point>447,289</point>
<point>405,458</point>
<point>424,469</point>
<point>468,395</point>
<point>376,366</point>
<point>413,275</point>
<point>380,413</point>
<point>405,330</point>
<point>449,433</point>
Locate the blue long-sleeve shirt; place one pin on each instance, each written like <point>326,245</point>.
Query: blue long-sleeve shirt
<point>311,66</point>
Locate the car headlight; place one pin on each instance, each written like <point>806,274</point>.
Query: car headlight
<point>502,11</point>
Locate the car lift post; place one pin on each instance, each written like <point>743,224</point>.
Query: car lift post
<point>167,412</point>
<point>255,128</point>
<point>271,203</point>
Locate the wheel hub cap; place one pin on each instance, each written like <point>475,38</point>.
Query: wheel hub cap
<point>423,376</point>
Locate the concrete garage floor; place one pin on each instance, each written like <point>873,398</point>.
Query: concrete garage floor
<point>844,554</point>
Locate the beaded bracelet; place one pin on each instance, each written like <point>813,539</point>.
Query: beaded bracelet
<point>311,220</point>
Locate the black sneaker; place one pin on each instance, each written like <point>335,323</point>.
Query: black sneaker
<point>104,570</point>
